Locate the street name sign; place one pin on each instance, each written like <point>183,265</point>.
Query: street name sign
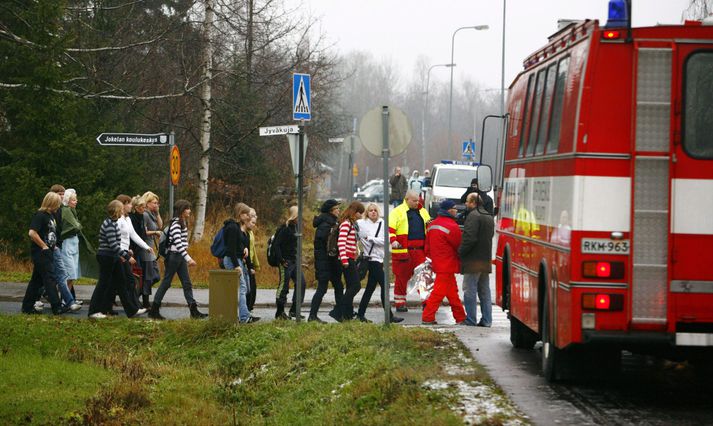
<point>133,139</point>
<point>279,130</point>
<point>301,97</point>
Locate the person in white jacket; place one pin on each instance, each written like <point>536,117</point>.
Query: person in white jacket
<point>128,235</point>
<point>371,236</point>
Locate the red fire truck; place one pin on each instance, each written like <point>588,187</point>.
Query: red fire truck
<point>605,232</point>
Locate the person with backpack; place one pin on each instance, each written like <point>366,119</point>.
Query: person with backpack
<point>371,235</point>
<point>327,268</point>
<point>348,251</point>
<point>237,243</point>
<point>177,260</point>
<point>285,249</point>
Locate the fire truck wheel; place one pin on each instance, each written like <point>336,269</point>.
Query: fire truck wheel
<point>521,336</point>
<point>553,359</point>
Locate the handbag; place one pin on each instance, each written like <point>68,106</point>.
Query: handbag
<point>362,261</point>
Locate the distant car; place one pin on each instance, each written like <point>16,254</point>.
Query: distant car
<point>373,182</point>
<point>372,193</point>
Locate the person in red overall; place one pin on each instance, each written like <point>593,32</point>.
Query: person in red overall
<point>442,241</point>
<point>407,234</point>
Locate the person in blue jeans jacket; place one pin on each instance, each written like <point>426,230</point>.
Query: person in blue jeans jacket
<point>475,253</point>
<point>237,246</point>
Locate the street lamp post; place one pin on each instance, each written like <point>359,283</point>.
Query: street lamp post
<point>425,114</point>
<point>450,102</point>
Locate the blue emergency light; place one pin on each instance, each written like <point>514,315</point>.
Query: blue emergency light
<point>618,14</point>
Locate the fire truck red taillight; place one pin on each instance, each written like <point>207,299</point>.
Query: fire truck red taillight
<point>611,35</point>
<point>599,269</point>
<point>603,301</point>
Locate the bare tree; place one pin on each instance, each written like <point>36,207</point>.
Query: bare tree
<point>698,9</point>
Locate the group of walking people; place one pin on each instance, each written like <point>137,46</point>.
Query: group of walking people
<point>338,234</point>
<point>348,244</point>
<point>126,255</point>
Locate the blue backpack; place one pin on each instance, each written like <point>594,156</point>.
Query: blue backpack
<point>217,248</point>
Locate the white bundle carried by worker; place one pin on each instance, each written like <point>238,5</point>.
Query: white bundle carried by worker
<point>422,280</point>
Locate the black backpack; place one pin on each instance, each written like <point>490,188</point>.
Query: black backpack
<point>163,242</point>
<point>332,247</point>
<point>274,257</point>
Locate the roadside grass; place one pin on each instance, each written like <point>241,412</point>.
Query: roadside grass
<point>209,372</point>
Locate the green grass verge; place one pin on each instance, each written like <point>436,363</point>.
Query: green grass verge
<point>120,371</point>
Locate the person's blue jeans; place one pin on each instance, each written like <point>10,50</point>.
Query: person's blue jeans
<point>243,312</point>
<point>477,286</point>
<point>60,275</point>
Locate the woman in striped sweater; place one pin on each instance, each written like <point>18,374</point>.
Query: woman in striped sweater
<point>348,252</point>
<point>111,257</point>
<point>177,261</point>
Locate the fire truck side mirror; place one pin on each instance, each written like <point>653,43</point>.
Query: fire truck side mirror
<point>485,178</point>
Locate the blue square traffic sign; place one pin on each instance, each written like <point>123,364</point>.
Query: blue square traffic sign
<point>468,150</point>
<point>301,97</point>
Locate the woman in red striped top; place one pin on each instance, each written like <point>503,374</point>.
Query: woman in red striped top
<point>347,245</point>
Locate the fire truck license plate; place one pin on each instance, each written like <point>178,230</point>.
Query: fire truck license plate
<point>604,246</point>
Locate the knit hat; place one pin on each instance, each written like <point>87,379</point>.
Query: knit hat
<point>328,205</point>
<point>474,181</point>
<point>447,205</point>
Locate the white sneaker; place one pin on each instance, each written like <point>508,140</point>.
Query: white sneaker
<point>97,315</point>
<point>79,302</point>
<point>75,307</point>
<point>141,312</point>
<point>39,306</point>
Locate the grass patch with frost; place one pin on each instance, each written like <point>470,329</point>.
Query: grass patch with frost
<point>123,371</point>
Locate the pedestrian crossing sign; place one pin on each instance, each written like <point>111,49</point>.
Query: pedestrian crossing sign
<point>468,150</point>
<point>301,97</point>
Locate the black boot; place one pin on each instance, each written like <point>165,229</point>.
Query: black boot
<point>394,319</point>
<point>145,300</point>
<point>195,313</point>
<point>154,312</point>
<point>316,319</point>
<point>280,314</point>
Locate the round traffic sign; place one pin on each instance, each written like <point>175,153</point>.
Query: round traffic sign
<point>399,131</point>
<point>175,165</point>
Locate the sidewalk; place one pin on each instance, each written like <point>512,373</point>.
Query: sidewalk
<point>174,296</point>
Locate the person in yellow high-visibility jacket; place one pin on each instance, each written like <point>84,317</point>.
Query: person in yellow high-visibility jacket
<point>407,234</point>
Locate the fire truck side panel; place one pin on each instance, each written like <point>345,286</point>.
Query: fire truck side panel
<point>691,270</point>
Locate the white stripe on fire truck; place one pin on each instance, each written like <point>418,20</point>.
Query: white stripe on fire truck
<point>692,206</point>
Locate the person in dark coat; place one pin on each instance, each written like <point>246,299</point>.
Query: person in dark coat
<point>286,246</point>
<point>475,252</point>
<point>398,187</point>
<point>487,202</point>
<point>326,268</point>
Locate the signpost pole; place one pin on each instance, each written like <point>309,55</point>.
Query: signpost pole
<point>387,246</point>
<point>171,143</point>
<point>300,184</point>
<point>350,180</point>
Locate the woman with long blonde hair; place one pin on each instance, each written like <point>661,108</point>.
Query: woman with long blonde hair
<point>371,236</point>
<point>43,234</point>
<point>237,245</point>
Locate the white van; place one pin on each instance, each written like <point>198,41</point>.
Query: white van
<point>449,180</point>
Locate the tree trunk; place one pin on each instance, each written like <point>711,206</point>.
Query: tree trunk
<point>205,123</point>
